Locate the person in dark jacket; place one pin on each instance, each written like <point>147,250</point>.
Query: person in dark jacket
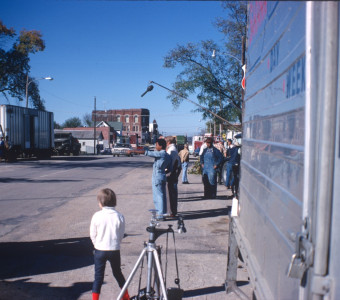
<point>210,159</point>
<point>233,162</point>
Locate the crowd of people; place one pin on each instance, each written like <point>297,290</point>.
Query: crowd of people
<point>168,165</point>
<point>108,225</point>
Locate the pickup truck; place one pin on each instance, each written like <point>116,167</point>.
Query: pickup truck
<point>65,143</point>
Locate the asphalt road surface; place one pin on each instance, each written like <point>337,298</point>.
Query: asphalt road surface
<point>30,188</point>
<point>45,212</point>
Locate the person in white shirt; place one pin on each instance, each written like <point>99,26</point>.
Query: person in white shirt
<point>106,232</point>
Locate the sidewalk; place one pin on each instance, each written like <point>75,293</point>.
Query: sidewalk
<point>201,251</point>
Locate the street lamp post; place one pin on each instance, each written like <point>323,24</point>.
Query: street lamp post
<point>242,65</point>
<point>28,82</point>
<point>213,55</point>
<point>150,88</point>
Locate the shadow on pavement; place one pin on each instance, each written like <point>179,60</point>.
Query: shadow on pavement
<point>209,290</point>
<point>23,289</point>
<point>190,199</point>
<point>203,291</point>
<point>207,213</point>
<point>67,162</point>
<point>201,198</point>
<point>19,259</point>
<point>26,180</point>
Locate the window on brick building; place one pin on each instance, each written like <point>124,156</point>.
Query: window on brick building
<point>135,128</point>
<point>135,119</point>
<point>127,119</point>
<point>118,118</point>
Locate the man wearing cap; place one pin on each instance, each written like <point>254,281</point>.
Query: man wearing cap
<point>211,159</point>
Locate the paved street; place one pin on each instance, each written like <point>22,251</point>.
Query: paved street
<point>46,253</point>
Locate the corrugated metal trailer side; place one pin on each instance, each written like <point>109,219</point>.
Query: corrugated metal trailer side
<point>287,228</point>
<point>45,130</point>
<point>12,122</point>
<point>321,210</point>
<point>30,131</point>
<point>273,144</point>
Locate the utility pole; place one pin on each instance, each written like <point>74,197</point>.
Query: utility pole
<point>94,127</point>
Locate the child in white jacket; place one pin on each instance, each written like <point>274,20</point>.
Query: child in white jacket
<point>106,232</point>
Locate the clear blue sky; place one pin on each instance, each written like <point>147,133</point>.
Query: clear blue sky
<point>111,50</point>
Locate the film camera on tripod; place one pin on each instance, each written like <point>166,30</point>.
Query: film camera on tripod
<point>155,278</point>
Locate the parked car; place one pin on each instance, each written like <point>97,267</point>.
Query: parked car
<point>122,149</point>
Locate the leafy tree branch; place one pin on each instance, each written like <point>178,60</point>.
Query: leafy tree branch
<point>14,64</point>
<point>216,82</point>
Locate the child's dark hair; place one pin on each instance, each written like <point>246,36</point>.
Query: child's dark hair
<point>107,197</point>
<point>162,143</point>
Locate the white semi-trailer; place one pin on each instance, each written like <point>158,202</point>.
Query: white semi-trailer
<point>30,132</point>
<point>288,223</point>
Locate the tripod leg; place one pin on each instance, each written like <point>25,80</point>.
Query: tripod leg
<point>131,275</point>
<point>159,273</point>
<point>156,278</point>
<point>149,274</point>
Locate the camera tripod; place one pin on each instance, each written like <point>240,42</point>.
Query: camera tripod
<point>155,283</point>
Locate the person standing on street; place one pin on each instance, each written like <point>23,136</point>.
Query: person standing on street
<point>210,160</point>
<point>219,146</point>
<point>161,164</point>
<point>2,148</point>
<point>9,156</point>
<point>229,180</point>
<point>233,163</point>
<point>184,156</point>
<point>172,177</point>
<point>106,233</point>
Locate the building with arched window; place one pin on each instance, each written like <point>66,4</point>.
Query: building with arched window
<point>134,121</point>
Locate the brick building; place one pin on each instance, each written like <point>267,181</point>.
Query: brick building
<point>134,121</point>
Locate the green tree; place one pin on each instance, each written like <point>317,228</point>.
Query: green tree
<point>14,64</point>
<point>216,81</point>
<point>72,123</point>
<point>57,125</point>
<point>87,120</point>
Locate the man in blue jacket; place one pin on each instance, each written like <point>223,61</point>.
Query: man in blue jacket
<point>161,166</point>
<point>210,159</point>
